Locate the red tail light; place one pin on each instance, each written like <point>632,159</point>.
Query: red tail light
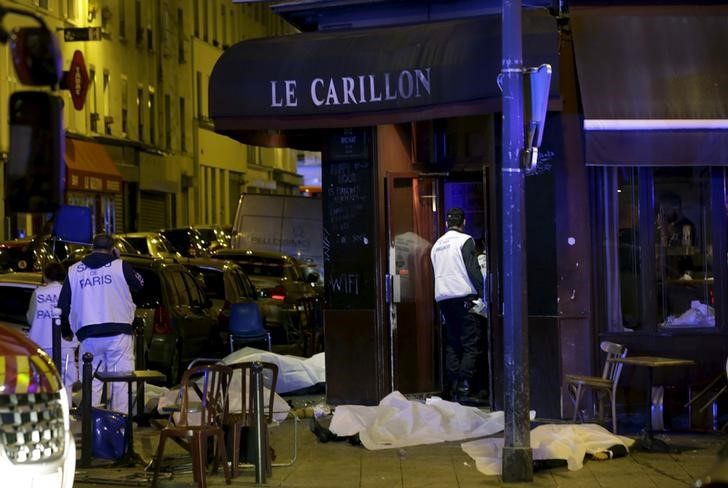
<point>162,320</point>
<point>278,293</point>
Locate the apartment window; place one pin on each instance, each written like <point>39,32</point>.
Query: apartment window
<point>205,20</point>
<point>180,36</point>
<point>41,3</point>
<point>140,113</point>
<point>167,121</point>
<point>658,228</point>
<point>122,19</point>
<point>182,125</point>
<point>214,24</point>
<point>71,9</point>
<point>139,28</point>
<point>124,106</point>
<point>152,118</point>
<point>196,9</point>
<point>108,119</point>
<point>223,20</point>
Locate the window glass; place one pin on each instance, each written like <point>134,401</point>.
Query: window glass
<point>14,302</point>
<point>178,289</point>
<point>658,236</point>
<point>197,297</point>
<point>214,282</point>
<point>139,243</point>
<point>151,294</point>
<point>683,247</point>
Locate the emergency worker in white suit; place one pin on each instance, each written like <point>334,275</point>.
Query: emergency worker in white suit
<point>97,305</point>
<point>458,283</point>
<point>40,317</point>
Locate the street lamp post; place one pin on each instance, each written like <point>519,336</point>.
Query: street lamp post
<point>517,455</point>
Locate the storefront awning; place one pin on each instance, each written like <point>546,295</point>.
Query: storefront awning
<point>90,168</point>
<point>654,84</point>
<point>368,77</point>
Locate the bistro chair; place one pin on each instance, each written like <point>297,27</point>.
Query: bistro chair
<point>604,386</point>
<point>242,393</point>
<point>246,326</point>
<point>203,403</point>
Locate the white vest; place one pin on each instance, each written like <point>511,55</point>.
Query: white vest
<point>451,277</point>
<point>40,314</point>
<point>99,296</point>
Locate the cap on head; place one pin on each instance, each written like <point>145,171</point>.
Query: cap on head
<point>103,242</point>
<point>455,217</point>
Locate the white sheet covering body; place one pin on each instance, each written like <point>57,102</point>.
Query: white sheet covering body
<point>280,406</point>
<point>551,441</point>
<point>398,422</point>
<point>294,373</point>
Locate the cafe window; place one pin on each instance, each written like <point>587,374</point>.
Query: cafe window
<point>658,228</point>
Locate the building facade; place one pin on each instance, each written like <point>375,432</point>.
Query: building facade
<point>141,152</point>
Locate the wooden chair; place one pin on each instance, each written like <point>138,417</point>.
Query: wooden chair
<point>202,394</point>
<point>602,386</point>
<point>237,421</point>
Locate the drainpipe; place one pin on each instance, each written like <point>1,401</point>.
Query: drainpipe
<point>517,456</point>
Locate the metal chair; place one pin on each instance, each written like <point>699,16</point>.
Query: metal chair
<point>202,392</point>
<point>246,325</point>
<point>237,421</point>
<point>602,386</point>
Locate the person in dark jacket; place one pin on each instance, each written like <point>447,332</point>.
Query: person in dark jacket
<point>96,305</point>
<point>458,284</point>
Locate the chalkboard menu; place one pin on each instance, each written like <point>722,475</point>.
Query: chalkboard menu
<point>349,207</point>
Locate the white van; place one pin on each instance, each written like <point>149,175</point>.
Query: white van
<point>286,224</point>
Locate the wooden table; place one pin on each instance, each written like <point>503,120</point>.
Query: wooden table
<point>647,439</point>
<point>131,458</point>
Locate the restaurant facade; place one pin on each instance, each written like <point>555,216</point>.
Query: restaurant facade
<point>408,121</point>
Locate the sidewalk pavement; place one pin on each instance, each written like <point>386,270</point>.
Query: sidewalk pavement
<point>342,465</point>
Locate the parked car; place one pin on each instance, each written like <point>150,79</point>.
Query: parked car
<point>37,446</point>
<point>16,289</point>
<point>224,283</point>
<point>152,244</point>
<point>217,236</point>
<point>281,283</point>
<point>120,243</point>
<point>187,241</point>
<point>179,325</point>
<point>32,253</point>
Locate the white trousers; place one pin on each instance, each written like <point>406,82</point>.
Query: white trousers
<point>115,353</point>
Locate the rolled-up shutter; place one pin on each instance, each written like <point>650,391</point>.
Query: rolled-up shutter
<point>153,211</point>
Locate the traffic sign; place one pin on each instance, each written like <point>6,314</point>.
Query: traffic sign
<point>77,80</point>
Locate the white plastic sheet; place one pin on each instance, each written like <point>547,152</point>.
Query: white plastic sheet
<point>398,422</point>
<point>294,373</point>
<point>570,442</point>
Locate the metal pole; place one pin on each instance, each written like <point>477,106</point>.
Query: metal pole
<point>259,426</point>
<point>86,418</point>
<point>56,342</point>
<point>517,455</point>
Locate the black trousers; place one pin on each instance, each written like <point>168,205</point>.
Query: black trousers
<point>463,339</point>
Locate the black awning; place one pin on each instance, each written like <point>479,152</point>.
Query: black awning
<point>370,76</point>
<point>654,84</point>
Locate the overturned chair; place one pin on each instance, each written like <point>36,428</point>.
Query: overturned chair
<point>604,386</point>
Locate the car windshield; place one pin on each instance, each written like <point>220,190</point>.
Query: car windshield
<point>265,266</point>
<point>208,236</point>
<point>139,243</point>
<point>180,239</point>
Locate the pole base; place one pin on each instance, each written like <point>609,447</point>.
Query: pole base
<point>517,464</point>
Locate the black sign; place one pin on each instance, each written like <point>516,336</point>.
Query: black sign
<point>349,241</point>
<point>75,34</point>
